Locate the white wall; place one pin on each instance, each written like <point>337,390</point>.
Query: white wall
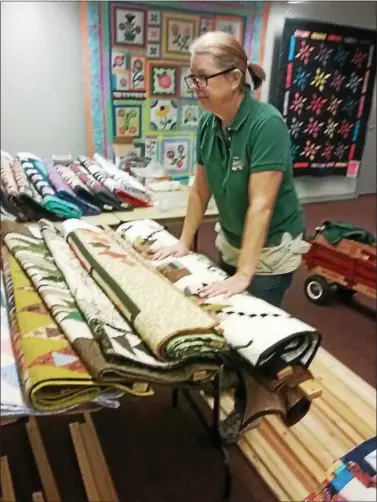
<point>359,14</point>
<point>42,94</point>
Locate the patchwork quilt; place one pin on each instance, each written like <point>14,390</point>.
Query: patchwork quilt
<point>172,326</point>
<point>52,375</point>
<point>258,331</point>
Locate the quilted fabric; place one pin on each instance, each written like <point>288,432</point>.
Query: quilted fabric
<point>127,356</point>
<point>52,375</point>
<point>258,331</point>
<point>38,264</point>
<point>171,325</point>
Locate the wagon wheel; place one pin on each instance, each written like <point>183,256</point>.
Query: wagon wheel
<point>317,290</point>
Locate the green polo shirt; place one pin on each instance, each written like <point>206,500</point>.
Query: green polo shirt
<point>257,140</point>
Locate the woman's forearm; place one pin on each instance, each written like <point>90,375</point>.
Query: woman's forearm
<point>196,208</point>
<point>254,236</point>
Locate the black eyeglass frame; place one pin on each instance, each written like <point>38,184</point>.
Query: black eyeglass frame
<point>195,79</point>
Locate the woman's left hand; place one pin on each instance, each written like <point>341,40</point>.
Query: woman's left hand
<point>234,285</point>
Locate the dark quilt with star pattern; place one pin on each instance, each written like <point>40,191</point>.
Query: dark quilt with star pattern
<point>326,80</point>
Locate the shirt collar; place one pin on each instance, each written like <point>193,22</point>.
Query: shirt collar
<point>241,115</point>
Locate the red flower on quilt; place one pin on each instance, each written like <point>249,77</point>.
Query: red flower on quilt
<point>338,80</point>
<point>298,103</point>
<point>305,52</point>
<point>310,150</point>
<point>313,127</point>
<point>358,58</point>
<point>317,103</point>
<point>345,128</point>
<point>328,151</point>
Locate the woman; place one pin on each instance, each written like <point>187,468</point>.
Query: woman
<point>244,161</point>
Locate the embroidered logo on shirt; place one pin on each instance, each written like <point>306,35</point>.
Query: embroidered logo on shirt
<point>237,164</point>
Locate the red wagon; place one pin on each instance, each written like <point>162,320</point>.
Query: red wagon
<point>348,267</point>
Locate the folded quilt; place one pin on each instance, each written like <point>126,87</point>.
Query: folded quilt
<point>35,258</point>
<point>136,192</point>
<point>28,193</point>
<point>38,176</point>
<point>10,193</point>
<point>127,356</point>
<point>100,175</point>
<point>172,326</point>
<point>52,375</point>
<point>63,191</point>
<point>12,399</point>
<point>103,196</point>
<point>82,192</point>
<point>261,333</point>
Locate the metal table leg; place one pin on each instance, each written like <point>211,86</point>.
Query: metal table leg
<point>213,428</point>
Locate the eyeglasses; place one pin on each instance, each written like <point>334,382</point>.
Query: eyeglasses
<point>202,81</point>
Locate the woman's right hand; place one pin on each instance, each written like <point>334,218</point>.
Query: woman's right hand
<point>178,249</point>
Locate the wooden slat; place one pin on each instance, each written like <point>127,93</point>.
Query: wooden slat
<point>50,487</point>
<point>84,464</point>
<point>333,426</point>
<point>352,381</point>
<point>97,460</point>
<point>8,494</point>
<point>336,387</point>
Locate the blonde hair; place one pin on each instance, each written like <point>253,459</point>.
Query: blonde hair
<point>227,53</point>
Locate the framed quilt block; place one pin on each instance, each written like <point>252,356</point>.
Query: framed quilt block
<point>128,120</point>
<point>178,32</point>
<point>189,114</point>
<point>137,73</point>
<point>154,34</point>
<point>175,154</point>
<point>152,147</point>
<point>163,79</point>
<point>232,25</point>
<point>128,25</point>
<point>121,81</point>
<point>206,24</point>
<point>153,50</point>
<point>163,115</point>
<point>119,60</point>
<point>154,18</point>
<point>324,93</point>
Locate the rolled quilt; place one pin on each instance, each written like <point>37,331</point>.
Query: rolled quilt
<point>9,190</point>
<point>127,356</point>
<point>103,197</point>
<point>261,333</point>
<point>172,326</point>
<point>135,191</point>
<point>83,194</point>
<point>52,375</point>
<point>34,257</point>
<point>38,176</point>
<point>100,175</point>
<point>62,189</point>
<point>29,195</point>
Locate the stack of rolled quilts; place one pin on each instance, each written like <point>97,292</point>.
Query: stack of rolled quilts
<point>34,188</point>
<point>90,314</point>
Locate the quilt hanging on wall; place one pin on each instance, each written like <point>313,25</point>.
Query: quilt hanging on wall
<point>136,56</point>
<point>326,80</point>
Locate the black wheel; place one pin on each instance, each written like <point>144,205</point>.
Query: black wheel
<point>317,290</point>
<point>344,293</point>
